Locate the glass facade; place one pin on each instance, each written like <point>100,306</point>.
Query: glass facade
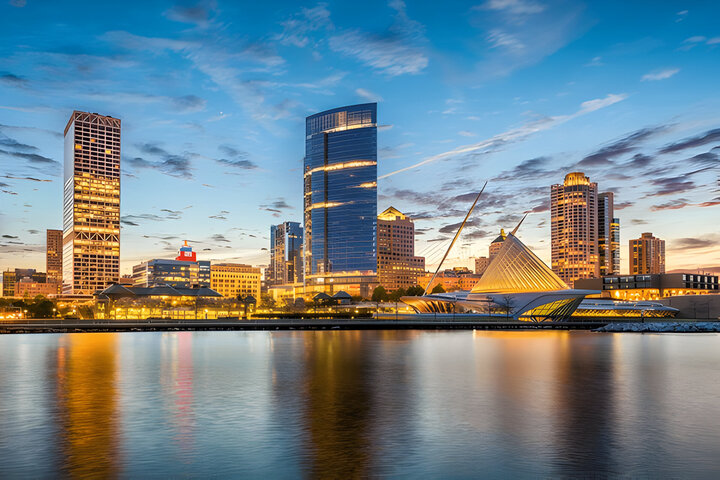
<point>176,273</point>
<point>286,242</point>
<point>340,191</point>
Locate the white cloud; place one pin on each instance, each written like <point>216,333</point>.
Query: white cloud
<point>368,95</point>
<point>392,56</point>
<point>296,29</point>
<point>516,134</point>
<point>396,52</point>
<point>660,75</point>
<point>713,41</point>
<point>515,7</point>
<point>498,38</point>
<point>595,62</point>
<point>466,133</point>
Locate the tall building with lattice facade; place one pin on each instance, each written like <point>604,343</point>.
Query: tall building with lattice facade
<point>91,208</point>
<point>647,255</point>
<point>574,228</point>
<point>397,265</point>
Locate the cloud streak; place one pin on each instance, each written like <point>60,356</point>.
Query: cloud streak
<point>517,134</point>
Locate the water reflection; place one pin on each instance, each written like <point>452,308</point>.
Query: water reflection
<point>344,404</point>
<point>87,405</point>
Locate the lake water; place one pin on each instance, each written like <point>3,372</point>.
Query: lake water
<point>346,404</point>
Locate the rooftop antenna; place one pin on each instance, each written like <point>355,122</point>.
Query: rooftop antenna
<point>454,239</point>
<point>518,225</point>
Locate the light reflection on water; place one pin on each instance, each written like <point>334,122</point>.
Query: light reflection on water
<point>355,404</point>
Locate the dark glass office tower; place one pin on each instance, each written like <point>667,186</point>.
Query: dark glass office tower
<point>340,203</point>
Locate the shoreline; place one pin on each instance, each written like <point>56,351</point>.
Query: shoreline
<point>153,325</point>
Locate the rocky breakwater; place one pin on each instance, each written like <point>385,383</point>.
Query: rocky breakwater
<point>661,327</point>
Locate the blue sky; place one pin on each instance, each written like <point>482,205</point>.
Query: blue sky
<point>213,97</point>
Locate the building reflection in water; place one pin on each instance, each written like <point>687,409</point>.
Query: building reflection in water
<point>87,405</point>
<point>585,394</point>
<point>342,406</point>
<point>182,377</point>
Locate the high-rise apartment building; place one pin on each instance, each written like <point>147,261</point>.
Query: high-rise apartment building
<point>608,235</point>
<point>615,245</point>
<point>397,265</point>
<point>496,245</point>
<point>647,255</point>
<point>481,264</point>
<point>233,279</point>
<point>574,228</point>
<point>91,208</point>
<point>286,259</point>
<point>53,257</point>
<point>340,199</point>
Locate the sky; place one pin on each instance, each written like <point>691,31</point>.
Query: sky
<point>213,97</point>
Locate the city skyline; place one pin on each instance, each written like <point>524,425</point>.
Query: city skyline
<point>626,117</point>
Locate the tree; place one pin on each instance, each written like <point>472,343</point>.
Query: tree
<point>379,294</point>
<point>438,289</point>
<point>395,296</point>
<point>415,291</point>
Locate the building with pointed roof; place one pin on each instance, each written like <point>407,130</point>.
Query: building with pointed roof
<point>397,265</point>
<point>496,245</point>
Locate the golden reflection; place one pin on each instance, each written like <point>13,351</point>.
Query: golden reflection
<point>88,404</point>
<point>341,407</point>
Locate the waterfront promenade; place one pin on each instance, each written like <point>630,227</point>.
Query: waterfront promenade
<point>390,322</point>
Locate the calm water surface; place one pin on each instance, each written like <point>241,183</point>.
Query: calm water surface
<point>351,404</point>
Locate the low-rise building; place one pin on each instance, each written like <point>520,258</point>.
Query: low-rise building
<point>27,287</point>
<point>458,278</point>
<point>11,277</point>
<point>651,287</point>
<point>233,279</point>
<point>183,272</point>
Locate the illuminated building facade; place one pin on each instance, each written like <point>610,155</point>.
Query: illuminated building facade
<point>340,197</point>
<point>615,244</point>
<point>652,286</point>
<point>28,287</point>
<point>647,255</point>
<point>233,279</point>
<point>11,277</point>
<point>176,273</point>
<point>286,259</point>
<point>481,264</point>
<point>608,235</point>
<point>91,208</point>
<point>458,278</point>
<point>397,265</point>
<point>53,257</point>
<point>183,272</point>
<point>496,245</point>
<point>574,228</point>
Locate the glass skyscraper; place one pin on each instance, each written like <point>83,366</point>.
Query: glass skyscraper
<point>286,258</point>
<point>340,187</point>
